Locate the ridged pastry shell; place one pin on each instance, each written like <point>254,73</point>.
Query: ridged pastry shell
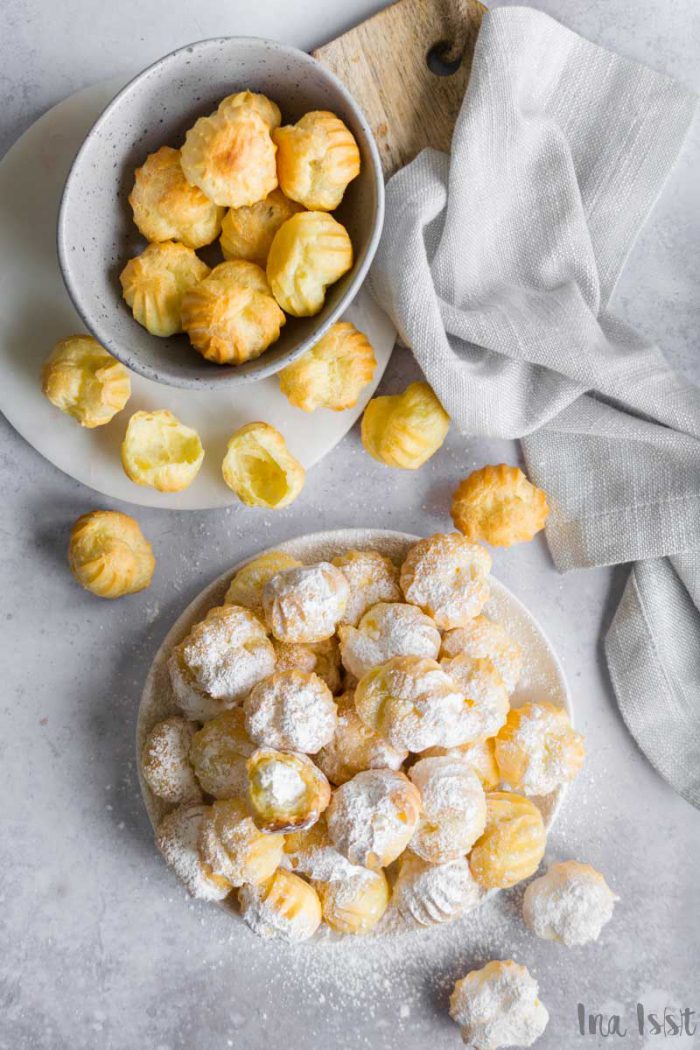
<point>246,587</point>
<point>231,317</point>
<point>309,252</point>
<point>167,207</point>
<point>428,894</point>
<point>82,379</point>
<point>109,555</point>
<point>283,908</point>
<point>154,284</point>
<point>538,750</point>
<point>232,847</point>
<point>218,754</point>
<point>371,818</point>
<point>355,747</point>
<point>160,451</point>
<point>305,604</point>
<point>405,430</point>
<point>333,373</point>
<point>512,844</point>
<point>316,160</point>
<point>498,505</point>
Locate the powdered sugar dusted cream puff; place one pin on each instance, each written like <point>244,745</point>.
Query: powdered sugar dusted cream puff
<point>177,838</point>
<point>354,901</point>
<point>447,577</point>
<point>570,904</point>
<point>218,754</point>
<point>320,658</point>
<point>538,750</point>
<point>482,638</point>
<point>165,762</point>
<point>284,908</point>
<point>305,604</point>
<point>291,711</point>
<point>233,848</point>
<point>498,1006</point>
<point>488,699</point>
<point>220,661</point>
<point>454,809</point>
<point>426,894</point>
<point>371,577</point>
<point>414,704</point>
<point>387,630</point>
<point>372,817</point>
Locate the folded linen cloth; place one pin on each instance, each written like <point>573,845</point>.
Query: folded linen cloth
<point>496,265</point>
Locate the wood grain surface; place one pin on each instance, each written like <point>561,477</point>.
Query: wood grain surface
<point>383,62</point>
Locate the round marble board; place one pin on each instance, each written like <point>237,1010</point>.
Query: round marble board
<point>35,311</point>
<point>542,679</point>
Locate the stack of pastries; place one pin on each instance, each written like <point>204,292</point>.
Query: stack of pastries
<point>342,746</point>
<point>266,192</point>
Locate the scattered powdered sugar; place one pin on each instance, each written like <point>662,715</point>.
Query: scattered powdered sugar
<point>291,711</point>
<point>305,604</point>
<point>386,631</point>
<point>570,904</point>
<point>498,1006</point>
<point>371,577</point>
<point>228,652</point>
<point>165,761</point>
<point>371,818</point>
<point>427,894</point>
<point>177,839</point>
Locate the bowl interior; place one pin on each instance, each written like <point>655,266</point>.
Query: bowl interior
<point>96,234</point>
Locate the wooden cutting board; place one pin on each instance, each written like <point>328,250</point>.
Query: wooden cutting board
<point>388,64</point>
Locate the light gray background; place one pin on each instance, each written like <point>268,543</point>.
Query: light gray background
<point>102,950</point>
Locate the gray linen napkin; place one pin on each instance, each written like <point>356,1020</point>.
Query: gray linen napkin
<point>496,265</point>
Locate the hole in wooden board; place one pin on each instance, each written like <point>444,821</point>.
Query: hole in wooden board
<point>440,61</point>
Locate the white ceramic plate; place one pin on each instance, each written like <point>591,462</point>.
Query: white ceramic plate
<point>543,677</point>
<point>35,311</point>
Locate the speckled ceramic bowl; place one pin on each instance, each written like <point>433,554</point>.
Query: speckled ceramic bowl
<point>96,234</point>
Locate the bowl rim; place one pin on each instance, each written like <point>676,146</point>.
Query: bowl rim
<point>228,375</point>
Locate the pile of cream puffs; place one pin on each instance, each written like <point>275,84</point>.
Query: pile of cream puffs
<point>342,744</point>
<point>266,191</point>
